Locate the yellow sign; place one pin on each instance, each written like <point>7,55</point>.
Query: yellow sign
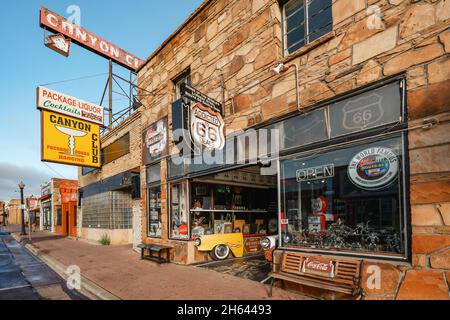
<point>70,140</point>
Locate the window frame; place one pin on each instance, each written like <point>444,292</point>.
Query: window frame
<point>183,77</point>
<point>306,38</point>
<point>153,186</point>
<point>180,183</point>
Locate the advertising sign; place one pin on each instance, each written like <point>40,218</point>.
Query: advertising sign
<point>88,40</point>
<point>155,141</point>
<point>54,101</point>
<point>58,43</point>
<point>322,267</point>
<point>207,127</point>
<point>69,140</point>
<point>196,96</point>
<point>373,168</point>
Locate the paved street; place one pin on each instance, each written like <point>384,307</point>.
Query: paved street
<point>25,277</point>
<point>119,270</point>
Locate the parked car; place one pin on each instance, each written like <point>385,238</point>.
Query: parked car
<point>220,245</point>
<point>269,244</point>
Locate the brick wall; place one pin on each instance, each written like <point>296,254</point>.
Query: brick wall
<point>235,44</point>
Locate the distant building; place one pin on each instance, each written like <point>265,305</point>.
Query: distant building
<point>33,210</point>
<point>12,209</point>
<point>58,206</point>
<point>2,213</point>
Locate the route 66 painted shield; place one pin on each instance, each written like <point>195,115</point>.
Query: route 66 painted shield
<point>207,127</point>
<point>362,112</point>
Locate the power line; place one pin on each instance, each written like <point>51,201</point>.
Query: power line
<point>74,79</point>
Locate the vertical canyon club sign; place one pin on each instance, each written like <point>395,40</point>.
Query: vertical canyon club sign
<point>55,101</point>
<point>207,126</point>
<point>69,140</point>
<point>155,139</point>
<point>55,23</point>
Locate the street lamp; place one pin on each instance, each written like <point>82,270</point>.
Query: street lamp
<point>22,215</point>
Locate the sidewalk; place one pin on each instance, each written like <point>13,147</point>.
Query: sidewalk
<point>119,270</point>
<point>24,277</point>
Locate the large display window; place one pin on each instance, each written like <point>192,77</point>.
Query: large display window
<point>348,200</point>
<point>223,208</point>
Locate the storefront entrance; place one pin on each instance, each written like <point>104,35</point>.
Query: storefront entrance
<point>226,214</point>
<point>68,224</point>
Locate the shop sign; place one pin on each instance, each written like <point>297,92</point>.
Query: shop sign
<point>155,141</point>
<point>58,102</point>
<point>373,168</point>
<point>315,173</point>
<point>55,23</point>
<point>207,127</point>
<point>252,244</point>
<point>58,43</point>
<point>196,96</point>
<point>322,267</point>
<point>69,140</point>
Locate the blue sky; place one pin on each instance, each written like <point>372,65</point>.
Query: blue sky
<point>137,26</point>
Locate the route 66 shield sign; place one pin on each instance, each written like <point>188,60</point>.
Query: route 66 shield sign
<point>363,112</point>
<point>207,127</point>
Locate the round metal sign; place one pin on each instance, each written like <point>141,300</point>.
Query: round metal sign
<point>373,168</point>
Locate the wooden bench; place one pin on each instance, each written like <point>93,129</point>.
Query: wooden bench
<point>155,248</point>
<point>346,277</point>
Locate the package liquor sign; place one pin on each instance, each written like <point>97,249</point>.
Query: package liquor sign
<point>54,101</point>
<point>155,141</point>
<point>69,140</point>
<point>55,23</point>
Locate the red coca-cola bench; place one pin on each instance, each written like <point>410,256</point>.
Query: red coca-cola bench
<point>328,273</point>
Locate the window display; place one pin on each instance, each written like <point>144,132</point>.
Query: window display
<point>179,212</point>
<point>347,199</point>
<point>219,209</point>
<point>154,212</point>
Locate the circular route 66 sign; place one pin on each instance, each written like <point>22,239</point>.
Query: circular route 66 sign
<point>373,168</point>
<point>207,127</point>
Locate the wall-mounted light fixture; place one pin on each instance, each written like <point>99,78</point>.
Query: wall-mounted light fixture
<point>282,68</point>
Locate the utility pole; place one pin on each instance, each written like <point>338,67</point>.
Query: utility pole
<point>110,93</point>
<point>22,215</point>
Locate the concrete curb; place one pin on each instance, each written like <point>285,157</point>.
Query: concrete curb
<point>88,288</point>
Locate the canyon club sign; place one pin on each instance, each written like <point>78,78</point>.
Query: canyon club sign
<point>54,101</point>
<point>55,23</point>
<point>69,140</point>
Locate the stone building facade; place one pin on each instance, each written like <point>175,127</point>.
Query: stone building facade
<point>106,194</point>
<point>230,48</point>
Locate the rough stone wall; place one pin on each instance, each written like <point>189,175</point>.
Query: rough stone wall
<point>129,161</point>
<point>235,43</point>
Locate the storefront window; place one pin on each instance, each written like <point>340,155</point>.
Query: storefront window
<point>345,200</point>
<point>154,211</point>
<point>179,212</point>
<point>222,208</point>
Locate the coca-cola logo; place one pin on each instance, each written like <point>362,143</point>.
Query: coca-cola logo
<point>318,266</point>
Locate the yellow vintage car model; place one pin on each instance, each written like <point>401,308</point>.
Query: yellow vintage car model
<point>220,245</point>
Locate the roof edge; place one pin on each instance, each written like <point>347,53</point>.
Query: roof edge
<point>177,31</point>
